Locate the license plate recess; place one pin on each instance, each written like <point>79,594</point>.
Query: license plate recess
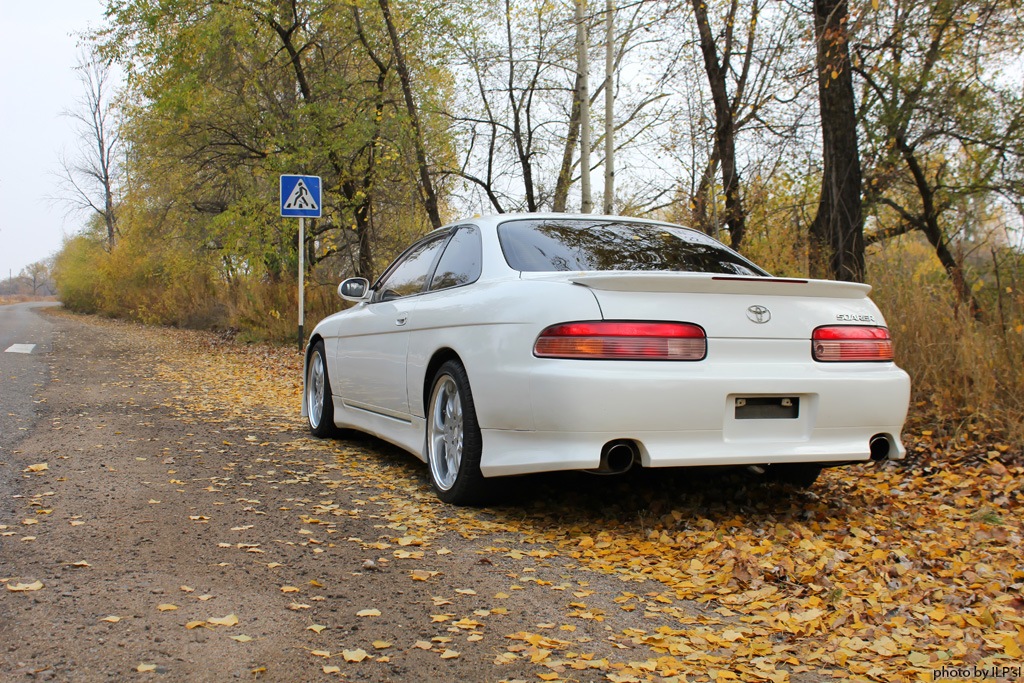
<point>767,407</point>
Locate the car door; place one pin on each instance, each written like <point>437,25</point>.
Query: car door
<point>440,308</point>
<point>373,342</point>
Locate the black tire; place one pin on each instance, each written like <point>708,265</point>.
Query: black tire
<point>797,474</point>
<point>319,402</point>
<point>453,442</point>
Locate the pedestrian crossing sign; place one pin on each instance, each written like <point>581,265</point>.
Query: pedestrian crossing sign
<point>300,196</point>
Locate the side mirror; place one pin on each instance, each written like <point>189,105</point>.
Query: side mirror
<point>355,289</point>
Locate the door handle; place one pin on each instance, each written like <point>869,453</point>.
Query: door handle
<point>402,319</point>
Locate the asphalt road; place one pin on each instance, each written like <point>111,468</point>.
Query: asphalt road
<point>25,339</point>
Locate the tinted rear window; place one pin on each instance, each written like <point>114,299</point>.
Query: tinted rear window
<point>571,245</point>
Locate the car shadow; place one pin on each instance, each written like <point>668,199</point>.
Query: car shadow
<point>690,494</point>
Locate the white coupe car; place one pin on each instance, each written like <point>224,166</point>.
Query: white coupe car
<point>526,343</point>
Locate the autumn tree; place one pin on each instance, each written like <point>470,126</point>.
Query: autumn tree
<point>234,94</point>
<point>738,105</point>
<point>516,120</point>
<point>943,121</point>
<point>91,175</point>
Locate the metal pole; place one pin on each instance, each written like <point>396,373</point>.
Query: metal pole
<point>302,276</point>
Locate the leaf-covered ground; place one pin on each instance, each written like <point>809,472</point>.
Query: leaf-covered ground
<point>902,572</point>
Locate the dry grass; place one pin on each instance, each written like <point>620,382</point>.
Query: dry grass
<point>966,372</point>
<point>22,298</point>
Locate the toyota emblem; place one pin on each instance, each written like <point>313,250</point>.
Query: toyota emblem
<point>759,314</point>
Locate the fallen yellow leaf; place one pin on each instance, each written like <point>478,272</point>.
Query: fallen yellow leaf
<point>229,620</point>
<point>289,589</point>
<point>145,668</point>
<point>450,654</point>
<point>242,638</point>
<point>315,628</point>
<point>25,587</point>
<point>166,607</point>
<point>111,619</point>
<point>354,656</point>
<point>39,467</point>
<point>409,540</point>
<point>381,644</point>
<point>331,669</point>
<point>368,613</point>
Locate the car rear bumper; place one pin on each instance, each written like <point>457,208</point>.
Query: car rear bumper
<point>521,452</point>
<point>685,414</point>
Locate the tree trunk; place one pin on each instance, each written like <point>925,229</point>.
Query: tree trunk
<point>725,126</point>
<point>426,184</point>
<point>701,200</point>
<point>837,232</point>
<point>583,95</point>
<point>609,109</point>
<point>929,224</point>
<point>561,198</point>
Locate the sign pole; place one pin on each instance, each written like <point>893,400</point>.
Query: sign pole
<point>302,276</point>
<point>300,198</point>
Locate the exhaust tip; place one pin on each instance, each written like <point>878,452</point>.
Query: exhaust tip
<point>617,457</point>
<point>880,447</point>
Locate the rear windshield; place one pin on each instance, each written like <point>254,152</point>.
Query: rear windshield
<point>538,246</point>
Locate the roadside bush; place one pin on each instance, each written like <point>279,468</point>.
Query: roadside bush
<point>78,273</point>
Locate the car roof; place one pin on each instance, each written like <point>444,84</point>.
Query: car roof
<point>494,220</point>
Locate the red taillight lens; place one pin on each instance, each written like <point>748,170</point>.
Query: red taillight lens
<point>851,343</point>
<point>622,340</point>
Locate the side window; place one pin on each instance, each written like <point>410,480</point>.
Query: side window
<point>460,262</point>
<point>409,276</point>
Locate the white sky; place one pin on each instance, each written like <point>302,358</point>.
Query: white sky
<point>37,82</point>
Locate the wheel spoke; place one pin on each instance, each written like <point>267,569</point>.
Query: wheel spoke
<point>315,391</point>
<point>444,435</point>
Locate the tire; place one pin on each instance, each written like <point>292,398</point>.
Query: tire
<point>319,402</point>
<point>454,444</point>
<point>797,474</point>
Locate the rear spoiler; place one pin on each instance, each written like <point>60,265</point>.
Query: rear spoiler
<point>705,283</point>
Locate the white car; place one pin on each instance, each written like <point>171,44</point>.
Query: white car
<point>524,343</point>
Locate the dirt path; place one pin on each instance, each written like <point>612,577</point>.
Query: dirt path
<point>185,527</point>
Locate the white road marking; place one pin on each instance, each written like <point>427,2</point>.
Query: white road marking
<point>20,348</point>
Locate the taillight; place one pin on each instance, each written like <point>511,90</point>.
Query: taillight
<point>622,340</point>
<point>850,343</point>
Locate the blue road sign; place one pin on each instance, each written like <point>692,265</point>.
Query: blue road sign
<point>300,196</point>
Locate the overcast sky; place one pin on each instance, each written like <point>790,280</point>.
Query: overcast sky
<point>37,81</point>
